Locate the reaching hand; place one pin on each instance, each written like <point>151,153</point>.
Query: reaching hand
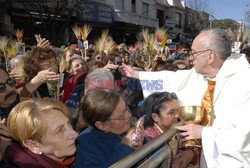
<point>46,76</point>
<point>42,42</point>
<point>110,66</point>
<point>128,71</point>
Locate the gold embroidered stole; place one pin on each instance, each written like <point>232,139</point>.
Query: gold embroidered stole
<point>207,104</point>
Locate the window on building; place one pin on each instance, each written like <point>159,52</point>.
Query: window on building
<point>145,9</point>
<point>160,16</point>
<point>133,6</point>
<point>178,19</point>
<point>187,19</point>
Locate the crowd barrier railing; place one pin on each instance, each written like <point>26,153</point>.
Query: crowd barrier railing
<point>159,151</point>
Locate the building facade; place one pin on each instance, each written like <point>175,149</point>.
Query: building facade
<point>124,18</point>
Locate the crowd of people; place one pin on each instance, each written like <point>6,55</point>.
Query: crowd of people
<point>69,107</point>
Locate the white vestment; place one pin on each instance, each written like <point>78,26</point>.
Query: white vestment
<point>226,144</point>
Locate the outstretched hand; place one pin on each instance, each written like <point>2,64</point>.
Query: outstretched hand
<point>46,76</point>
<point>43,76</point>
<point>42,42</point>
<point>128,71</point>
<point>110,66</point>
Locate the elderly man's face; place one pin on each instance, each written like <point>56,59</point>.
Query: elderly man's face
<point>8,93</point>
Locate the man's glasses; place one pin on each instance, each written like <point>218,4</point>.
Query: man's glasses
<point>195,54</point>
<point>11,82</point>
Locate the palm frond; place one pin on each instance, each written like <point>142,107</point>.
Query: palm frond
<point>85,30</point>
<point>244,36</point>
<point>19,35</point>
<point>3,43</point>
<point>11,49</point>
<point>109,45</point>
<point>77,31</point>
<point>145,35</point>
<point>161,36</point>
<point>63,65</point>
<point>100,43</point>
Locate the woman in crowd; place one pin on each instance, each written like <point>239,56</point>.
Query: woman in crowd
<point>74,76</point>
<point>161,112</point>
<point>109,135</point>
<point>43,135</point>
<point>41,67</point>
<point>68,53</point>
<point>16,70</point>
<point>77,65</point>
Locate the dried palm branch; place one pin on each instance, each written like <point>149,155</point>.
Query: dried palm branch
<point>148,47</point>
<point>148,44</point>
<point>109,45</point>
<point>145,34</point>
<point>238,36</point>
<point>77,31</point>
<point>151,42</point>
<point>241,36</point>
<point>139,37</point>
<point>148,40</point>
<point>161,36</point>
<point>100,43</point>
<point>19,35</point>
<point>63,65</point>
<point>85,30</point>
<point>244,36</point>
<point>11,49</point>
<point>3,43</point>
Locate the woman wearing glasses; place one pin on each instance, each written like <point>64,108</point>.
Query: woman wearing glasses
<point>109,135</point>
<point>161,110</point>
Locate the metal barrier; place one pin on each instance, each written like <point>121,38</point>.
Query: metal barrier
<point>160,157</point>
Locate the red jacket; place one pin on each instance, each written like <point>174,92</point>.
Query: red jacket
<point>17,156</point>
<point>70,84</point>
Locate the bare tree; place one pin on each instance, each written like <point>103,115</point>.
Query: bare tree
<point>198,16</point>
<point>247,15</point>
<point>199,5</point>
<point>54,15</point>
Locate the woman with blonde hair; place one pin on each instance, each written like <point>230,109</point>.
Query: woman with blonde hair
<point>43,135</point>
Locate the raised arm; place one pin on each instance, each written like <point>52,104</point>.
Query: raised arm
<point>128,71</point>
<point>42,77</point>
